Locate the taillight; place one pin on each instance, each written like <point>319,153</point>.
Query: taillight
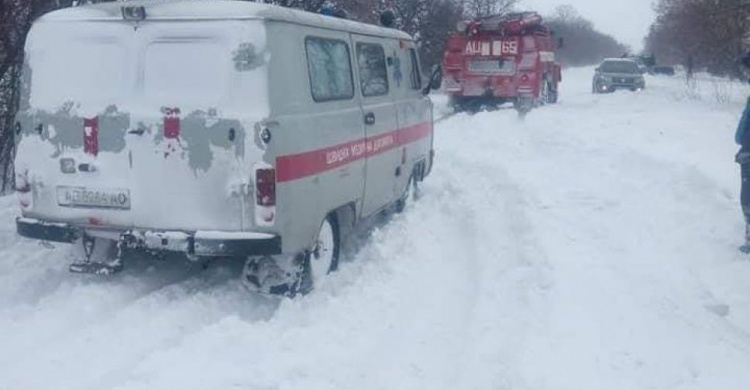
<point>91,136</point>
<point>22,182</point>
<point>265,187</point>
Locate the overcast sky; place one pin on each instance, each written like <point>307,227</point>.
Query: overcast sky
<point>626,20</point>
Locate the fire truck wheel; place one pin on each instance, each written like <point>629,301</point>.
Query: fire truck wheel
<point>323,257</point>
<point>552,96</point>
<point>543,93</point>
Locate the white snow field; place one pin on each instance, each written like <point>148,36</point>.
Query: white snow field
<point>592,245</point>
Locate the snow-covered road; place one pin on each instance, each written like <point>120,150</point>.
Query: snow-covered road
<point>590,246</point>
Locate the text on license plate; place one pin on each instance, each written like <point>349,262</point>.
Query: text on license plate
<point>110,198</point>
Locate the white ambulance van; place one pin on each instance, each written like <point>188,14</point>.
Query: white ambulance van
<point>216,129</point>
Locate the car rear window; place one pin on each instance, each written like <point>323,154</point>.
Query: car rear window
<point>619,67</point>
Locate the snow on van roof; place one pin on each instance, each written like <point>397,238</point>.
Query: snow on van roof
<point>218,9</point>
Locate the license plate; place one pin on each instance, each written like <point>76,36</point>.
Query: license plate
<point>107,198</point>
<point>492,66</point>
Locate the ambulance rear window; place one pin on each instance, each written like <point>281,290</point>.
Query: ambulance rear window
<point>186,72</point>
<point>86,71</point>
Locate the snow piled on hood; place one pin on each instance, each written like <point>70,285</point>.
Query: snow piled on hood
<point>590,246</point>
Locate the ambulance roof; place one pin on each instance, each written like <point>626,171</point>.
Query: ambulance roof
<point>217,10</point>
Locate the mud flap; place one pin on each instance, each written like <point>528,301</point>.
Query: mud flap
<point>523,105</point>
<point>267,277</point>
<point>103,268</point>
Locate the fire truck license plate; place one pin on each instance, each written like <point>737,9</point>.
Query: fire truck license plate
<point>108,198</point>
<point>492,66</point>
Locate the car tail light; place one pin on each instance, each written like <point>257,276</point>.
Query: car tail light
<point>265,187</point>
<point>91,136</point>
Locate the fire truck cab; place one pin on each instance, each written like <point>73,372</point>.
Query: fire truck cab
<point>502,59</point>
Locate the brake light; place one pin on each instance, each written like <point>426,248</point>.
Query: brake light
<point>265,187</point>
<point>91,136</point>
<point>171,123</point>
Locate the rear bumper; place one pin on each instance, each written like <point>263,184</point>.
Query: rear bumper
<point>200,243</point>
<point>47,231</point>
<point>500,86</point>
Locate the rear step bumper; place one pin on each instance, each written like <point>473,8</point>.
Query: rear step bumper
<point>200,243</point>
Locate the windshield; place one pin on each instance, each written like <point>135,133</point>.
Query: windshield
<point>619,67</point>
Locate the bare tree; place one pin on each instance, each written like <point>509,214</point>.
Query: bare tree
<point>483,8</point>
<point>701,34</point>
<point>584,45</point>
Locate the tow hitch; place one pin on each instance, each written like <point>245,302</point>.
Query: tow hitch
<point>106,267</point>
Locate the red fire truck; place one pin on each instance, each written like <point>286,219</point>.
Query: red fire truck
<point>502,59</point>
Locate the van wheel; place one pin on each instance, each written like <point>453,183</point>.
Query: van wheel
<point>323,257</point>
<point>409,192</point>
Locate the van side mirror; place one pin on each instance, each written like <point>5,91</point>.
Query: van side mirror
<point>560,43</point>
<point>436,80</point>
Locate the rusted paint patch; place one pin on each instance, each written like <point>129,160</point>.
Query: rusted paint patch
<point>63,129</point>
<point>201,132</point>
<point>247,58</point>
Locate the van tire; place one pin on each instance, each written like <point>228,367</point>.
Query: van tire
<point>405,197</point>
<point>412,186</point>
<point>323,256</point>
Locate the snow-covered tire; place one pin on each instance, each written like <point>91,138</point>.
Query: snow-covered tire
<point>544,90</point>
<point>409,193</point>
<point>552,99</point>
<point>323,257</point>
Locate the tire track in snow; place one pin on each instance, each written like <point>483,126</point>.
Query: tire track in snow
<point>511,270</point>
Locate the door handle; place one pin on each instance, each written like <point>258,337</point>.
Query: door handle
<point>138,131</point>
<point>370,118</point>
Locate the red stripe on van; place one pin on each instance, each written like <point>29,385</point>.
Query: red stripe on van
<point>414,133</point>
<point>297,166</point>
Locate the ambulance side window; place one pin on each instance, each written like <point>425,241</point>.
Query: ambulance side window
<point>373,74</point>
<point>416,77</point>
<point>330,69</point>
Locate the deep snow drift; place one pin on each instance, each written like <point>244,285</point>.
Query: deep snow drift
<point>592,245</point>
